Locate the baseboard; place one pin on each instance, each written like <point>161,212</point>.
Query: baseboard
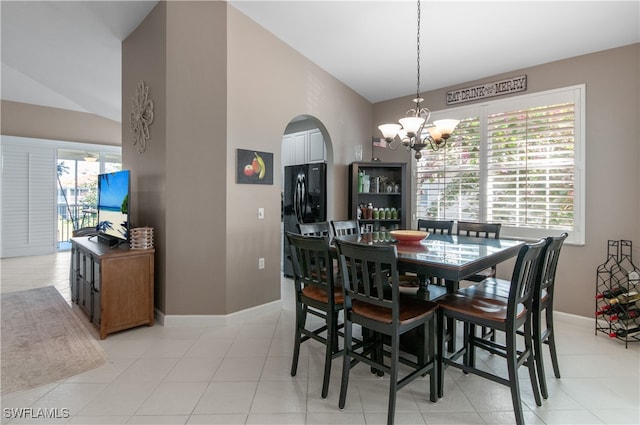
<point>177,320</point>
<point>573,319</point>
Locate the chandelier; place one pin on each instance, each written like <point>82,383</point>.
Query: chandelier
<point>414,131</point>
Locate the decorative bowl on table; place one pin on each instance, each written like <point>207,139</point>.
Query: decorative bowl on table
<point>412,237</point>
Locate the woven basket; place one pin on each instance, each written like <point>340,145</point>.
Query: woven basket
<point>141,238</point>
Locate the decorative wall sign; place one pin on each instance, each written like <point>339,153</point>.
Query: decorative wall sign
<point>483,91</point>
<point>254,167</point>
<point>141,116</point>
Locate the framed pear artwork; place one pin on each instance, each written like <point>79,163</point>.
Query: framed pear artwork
<point>254,167</point>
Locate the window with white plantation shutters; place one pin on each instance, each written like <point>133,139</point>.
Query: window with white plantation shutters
<point>518,161</point>
<point>448,180</point>
<point>530,167</point>
<point>28,202</point>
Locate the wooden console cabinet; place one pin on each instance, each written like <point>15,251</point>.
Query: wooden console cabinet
<point>114,286</point>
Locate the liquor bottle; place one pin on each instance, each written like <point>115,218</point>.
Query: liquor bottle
<point>632,313</point>
<point>609,310</point>
<point>625,298</point>
<point>624,332</point>
<point>612,293</point>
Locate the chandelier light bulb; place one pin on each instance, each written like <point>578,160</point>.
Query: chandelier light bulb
<point>446,127</point>
<point>411,125</point>
<point>389,131</point>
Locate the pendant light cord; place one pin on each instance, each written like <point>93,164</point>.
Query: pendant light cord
<point>418,60</point>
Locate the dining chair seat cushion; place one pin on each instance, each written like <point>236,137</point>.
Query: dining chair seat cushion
<point>321,295</point>
<point>411,309</point>
<point>482,306</point>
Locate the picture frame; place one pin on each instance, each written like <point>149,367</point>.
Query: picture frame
<point>254,167</point>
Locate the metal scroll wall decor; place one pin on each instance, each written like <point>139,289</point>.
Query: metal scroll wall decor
<point>141,116</point>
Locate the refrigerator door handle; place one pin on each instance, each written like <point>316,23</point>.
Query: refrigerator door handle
<point>302,200</point>
<point>299,198</point>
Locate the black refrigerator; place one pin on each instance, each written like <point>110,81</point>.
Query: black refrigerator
<point>304,201</point>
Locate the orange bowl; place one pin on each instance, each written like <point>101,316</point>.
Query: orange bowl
<point>409,236</point>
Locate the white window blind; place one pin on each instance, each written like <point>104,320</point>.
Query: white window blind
<point>517,161</point>
<point>448,181</point>
<point>28,201</point>
<point>530,167</point>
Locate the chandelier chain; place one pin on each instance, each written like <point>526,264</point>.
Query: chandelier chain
<point>418,54</point>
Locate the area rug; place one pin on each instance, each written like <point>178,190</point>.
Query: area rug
<point>43,341</point>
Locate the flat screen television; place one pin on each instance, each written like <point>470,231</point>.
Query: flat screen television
<point>113,207</point>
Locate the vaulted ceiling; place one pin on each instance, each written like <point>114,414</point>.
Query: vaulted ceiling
<point>68,54</point>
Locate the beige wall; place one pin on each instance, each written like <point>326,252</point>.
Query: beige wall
<point>196,157</point>
<point>221,82</point>
<point>42,122</point>
<point>144,58</point>
<point>612,158</point>
<point>268,85</point>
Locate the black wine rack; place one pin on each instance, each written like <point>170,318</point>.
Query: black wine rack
<point>616,276</point>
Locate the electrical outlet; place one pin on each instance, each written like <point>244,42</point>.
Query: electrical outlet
<point>260,213</point>
<point>261,263</point>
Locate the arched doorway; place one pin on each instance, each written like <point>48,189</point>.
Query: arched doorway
<point>307,174</point>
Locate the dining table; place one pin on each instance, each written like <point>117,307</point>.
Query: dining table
<point>451,258</point>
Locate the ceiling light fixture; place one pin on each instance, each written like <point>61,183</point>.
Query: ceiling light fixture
<point>90,157</point>
<point>414,131</point>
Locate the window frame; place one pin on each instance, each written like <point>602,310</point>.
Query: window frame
<point>575,93</point>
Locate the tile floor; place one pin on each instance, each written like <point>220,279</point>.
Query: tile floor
<point>239,374</point>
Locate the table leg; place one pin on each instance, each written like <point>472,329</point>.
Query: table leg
<point>452,286</point>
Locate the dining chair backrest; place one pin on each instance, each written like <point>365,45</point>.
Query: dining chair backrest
<point>523,283</point>
<point>312,262</point>
<point>545,283</point>
<point>440,227</point>
<point>320,228</point>
<point>479,230</point>
<point>367,271</point>
<point>345,227</point>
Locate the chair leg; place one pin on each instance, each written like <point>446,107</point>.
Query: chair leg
<point>512,360</point>
<point>469,334</point>
<point>393,378</point>
<point>432,357</point>
<point>441,353</point>
<point>530,363</point>
<point>537,351</point>
<point>301,312</point>
<point>329,350</point>
<point>551,341</point>
<point>346,363</point>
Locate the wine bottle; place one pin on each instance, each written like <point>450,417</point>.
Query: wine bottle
<point>632,313</point>
<point>624,332</point>
<point>609,310</point>
<point>625,298</point>
<point>612,293</point>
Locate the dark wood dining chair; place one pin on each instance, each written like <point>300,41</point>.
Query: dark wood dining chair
<point>317,294</point>
<point>384,315</point>
<point>507,315</point>
<point>480,230</point>
<point>321,228</point>
<point>345,227</point>
<point>542,306</point>
<point>438,227</point>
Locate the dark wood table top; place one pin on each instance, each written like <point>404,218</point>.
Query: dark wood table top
<point>453,258</point>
